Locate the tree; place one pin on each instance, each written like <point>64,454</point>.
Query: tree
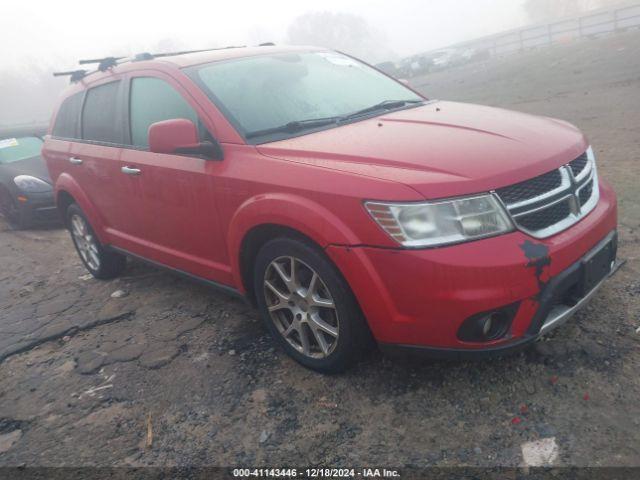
<point>540,11</point>
<point>340,31</point>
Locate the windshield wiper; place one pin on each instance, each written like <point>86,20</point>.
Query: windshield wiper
<point>382,106</point>
<point>295,126</point>
<point>310,123</point>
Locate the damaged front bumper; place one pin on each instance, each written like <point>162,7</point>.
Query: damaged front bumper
<point>419,300</point>
<point>559,300</point>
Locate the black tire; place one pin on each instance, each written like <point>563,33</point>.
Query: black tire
<point>11,212</point>
<point>110,263</point>
<point>354,335</point>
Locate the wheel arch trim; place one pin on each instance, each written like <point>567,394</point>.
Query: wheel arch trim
<point>66,184</point>
<point>288,211</point>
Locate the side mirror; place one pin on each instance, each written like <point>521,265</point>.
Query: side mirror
<point>180,136</point>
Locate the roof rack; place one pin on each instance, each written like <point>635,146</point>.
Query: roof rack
<point>139,57</point>
<point>151,56</point>
<point>109,62</point>
<point>76,75</point>
<point>103,63</point>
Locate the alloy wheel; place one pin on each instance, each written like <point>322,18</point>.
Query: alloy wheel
<point>301,307</point>
<point>85,241</point>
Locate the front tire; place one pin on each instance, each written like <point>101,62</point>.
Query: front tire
<point>11,212</point>
<point>308,307</point>
<point>101,263</point>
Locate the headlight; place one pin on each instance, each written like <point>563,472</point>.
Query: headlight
<point>441,222</point>
<point>29,184</point>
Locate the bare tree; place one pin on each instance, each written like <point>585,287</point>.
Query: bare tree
<point>341,31</point>
<point>546,10</point>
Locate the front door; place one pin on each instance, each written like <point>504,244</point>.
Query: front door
<point>178,200</point>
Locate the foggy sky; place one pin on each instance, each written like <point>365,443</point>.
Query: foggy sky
<point>60,31</point>
<point>42,36</point>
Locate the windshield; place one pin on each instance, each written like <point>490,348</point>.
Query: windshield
<point>264,92</point>
<point>21,148</point>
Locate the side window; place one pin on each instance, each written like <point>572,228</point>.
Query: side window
<point>154,100</point>
<point>66,123</point>
<point>101,113</point>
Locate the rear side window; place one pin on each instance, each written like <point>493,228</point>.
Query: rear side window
<point>66,123</point>
<point>154,100</point>
<point>101,120</point>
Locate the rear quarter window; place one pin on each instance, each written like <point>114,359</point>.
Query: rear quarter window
<point>67,120</point>
<point>101,116</point>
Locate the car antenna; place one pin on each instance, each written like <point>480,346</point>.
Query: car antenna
<point>76,75</point>
<point>103,63</point>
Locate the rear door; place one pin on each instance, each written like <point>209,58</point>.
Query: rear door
<point>66,128</point>
<point>95,158</point>
<point>178,208</point>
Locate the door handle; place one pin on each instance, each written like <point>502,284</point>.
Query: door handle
<point>75,161</point>
<point>130,171</point>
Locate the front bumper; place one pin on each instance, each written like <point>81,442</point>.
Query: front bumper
<point>551,313</point>
<point>39,209</point>
<point>418,299</point>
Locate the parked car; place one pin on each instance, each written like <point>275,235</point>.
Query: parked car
<point>26,193</point>
<point>343,204</point>
<point>471,54</point>
<point>415,66</point>
<point>444,59</point>
<point>388,67</point>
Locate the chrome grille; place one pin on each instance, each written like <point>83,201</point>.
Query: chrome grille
<point>585,193</point>
<point>577,166</point>
<point>552,202</point>
<point>531,188</point>
<point>546,217</point>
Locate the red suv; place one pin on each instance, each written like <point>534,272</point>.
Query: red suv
<point>344,205</point>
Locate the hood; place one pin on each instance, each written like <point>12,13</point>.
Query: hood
<point>33,166</point>
<point>440,149</point>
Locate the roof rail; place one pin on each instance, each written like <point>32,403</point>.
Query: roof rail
<point>185,52</point>
<point>108,62</point>
<point>139,57</point>
<point>76,75</point>
<point>103,63</point>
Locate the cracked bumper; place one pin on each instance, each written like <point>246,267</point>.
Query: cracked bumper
<point>418,299</point>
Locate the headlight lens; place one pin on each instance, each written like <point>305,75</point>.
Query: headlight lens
<point>442,222</point>
<point>29,184</point>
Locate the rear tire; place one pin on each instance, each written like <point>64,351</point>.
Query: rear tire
<point>102,263</point>
<point>308,306</point>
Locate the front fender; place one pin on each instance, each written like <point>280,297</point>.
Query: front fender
<point>286,210</point>
<point>66,183</point>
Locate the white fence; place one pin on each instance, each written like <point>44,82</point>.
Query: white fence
<point>594,24</point>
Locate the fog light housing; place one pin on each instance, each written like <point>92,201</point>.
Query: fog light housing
<point>488,326</point>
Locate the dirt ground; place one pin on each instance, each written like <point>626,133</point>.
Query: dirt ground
<point>85,378</point>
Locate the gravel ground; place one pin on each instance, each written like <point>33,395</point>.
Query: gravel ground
<point>174,374</point>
